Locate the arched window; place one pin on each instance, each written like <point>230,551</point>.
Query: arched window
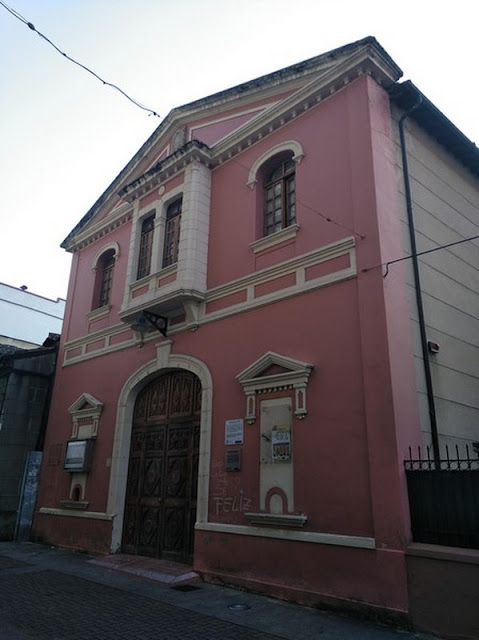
<point>279,195</point>
<point>146,246</point>
<point>104,279</point>
<point>273,177</point>
<point>172,232</point>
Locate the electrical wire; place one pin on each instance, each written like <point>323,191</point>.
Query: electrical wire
<point>421,253</point>
<point>31,26</point>
<point>79,64</point>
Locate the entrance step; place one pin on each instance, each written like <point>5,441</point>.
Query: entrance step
<point>169,574</point>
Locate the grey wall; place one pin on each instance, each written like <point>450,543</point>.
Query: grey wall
<point>446,209</point>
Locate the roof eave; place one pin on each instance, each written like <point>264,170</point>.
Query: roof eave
<point>405,94</point>
<point>368,44</point>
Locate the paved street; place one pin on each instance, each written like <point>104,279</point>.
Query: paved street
<point>50,594</point>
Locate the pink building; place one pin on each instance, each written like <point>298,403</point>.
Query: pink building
<point>237,382</point>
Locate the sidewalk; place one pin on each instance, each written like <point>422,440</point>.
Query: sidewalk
<point>52,594</point>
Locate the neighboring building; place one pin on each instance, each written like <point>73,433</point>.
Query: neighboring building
<point>26,380</point>
<point>241,376</point>
<point>27,319</point>
<point>28,352</point>
<point>443,175</point>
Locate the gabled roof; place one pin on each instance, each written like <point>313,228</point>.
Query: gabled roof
<point>304,84</point>
<point>359,52</point>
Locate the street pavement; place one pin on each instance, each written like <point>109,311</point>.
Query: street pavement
<point>53,594</point>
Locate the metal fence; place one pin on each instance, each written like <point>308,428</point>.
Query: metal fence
<point>444,498</point>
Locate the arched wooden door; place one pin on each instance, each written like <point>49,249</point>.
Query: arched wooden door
<point>160,505</point>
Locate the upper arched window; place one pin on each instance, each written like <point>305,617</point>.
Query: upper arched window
<point>105,266</point>
<point>146,246</point>
<point>273,176</point>
<point>172,232</point>
<point>279,196</point>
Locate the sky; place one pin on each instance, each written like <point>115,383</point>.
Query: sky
<point>64,136</point>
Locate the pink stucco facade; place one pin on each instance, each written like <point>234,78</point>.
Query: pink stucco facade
<point>313,298</point>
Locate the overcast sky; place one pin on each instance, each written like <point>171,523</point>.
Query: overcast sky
<point>64,136</point>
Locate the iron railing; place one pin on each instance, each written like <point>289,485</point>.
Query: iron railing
<point>444,498</point>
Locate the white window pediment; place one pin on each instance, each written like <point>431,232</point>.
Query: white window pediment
<point>274,372</point>
<point>85,412</point>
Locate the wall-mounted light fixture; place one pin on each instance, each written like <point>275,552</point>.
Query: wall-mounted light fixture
<point>145,318</point>
<point>433,347</point>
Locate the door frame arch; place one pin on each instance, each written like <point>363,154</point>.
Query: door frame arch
<point>163,362</point>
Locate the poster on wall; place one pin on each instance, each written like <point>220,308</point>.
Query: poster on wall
<point>234,430</point>
<point>281,444</point>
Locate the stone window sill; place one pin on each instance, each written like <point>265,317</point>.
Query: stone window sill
<point>78,505</point>
<point>99,313</point>
<point>275,238</point>
<point>293,521</point>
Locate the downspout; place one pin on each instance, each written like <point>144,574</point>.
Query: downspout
<point>417,283</point>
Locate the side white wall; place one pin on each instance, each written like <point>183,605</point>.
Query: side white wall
<point>26,319</point>
<point>446,209</point>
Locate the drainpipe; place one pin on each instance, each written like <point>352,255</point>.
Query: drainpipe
<point>417,283</point>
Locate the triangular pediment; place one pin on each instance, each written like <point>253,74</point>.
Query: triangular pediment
<point>216,128</point>
<point>273,370</point>
<point>275,366</point>
<point>87,404</point>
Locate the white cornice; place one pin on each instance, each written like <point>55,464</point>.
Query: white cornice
<point>327,252</point>
<point>314,537</point>
<point>326,78</point>
<point>321,87</point>
<point>317,90</point>
<point>171,167</point>
<point>101,228</point>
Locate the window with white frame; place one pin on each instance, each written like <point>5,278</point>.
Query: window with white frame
<point>172,232</point>
<point>279,196</point>
<point>146,246</point>
<point>273,177</point>
<point>104,268</point>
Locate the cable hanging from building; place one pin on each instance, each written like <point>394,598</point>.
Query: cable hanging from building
<point>79,64</point>
<point>421,253</point>
<point>310,208</point>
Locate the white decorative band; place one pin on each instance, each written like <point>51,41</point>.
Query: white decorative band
<point>281,534</point>
<point>89,515</point>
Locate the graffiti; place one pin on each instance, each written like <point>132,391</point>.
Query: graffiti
<point>228,497</point>
<point>231,504</point>
<point>219,478</point>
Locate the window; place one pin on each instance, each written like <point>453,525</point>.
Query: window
<point>279,197</point>
<point>146,246</point>
<point>104,279</point>
<point>108,264</point>
<point>172,233</point>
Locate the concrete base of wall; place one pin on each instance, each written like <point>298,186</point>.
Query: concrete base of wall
<point>312,599</point>
<point>443,585</point>
<point>74,533</point>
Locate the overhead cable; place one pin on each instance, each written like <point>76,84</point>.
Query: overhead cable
<point>79,64</point>
<point>421,253</point>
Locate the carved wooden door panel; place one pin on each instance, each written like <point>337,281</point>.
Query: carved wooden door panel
<point>160,505</point>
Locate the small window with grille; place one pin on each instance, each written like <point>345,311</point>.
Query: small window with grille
<point>172,233</point>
